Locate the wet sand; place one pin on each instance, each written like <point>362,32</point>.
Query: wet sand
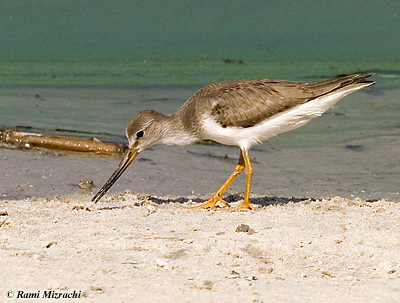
<point>137,248</point>
<point>361,169</point>
<point>351,151</point>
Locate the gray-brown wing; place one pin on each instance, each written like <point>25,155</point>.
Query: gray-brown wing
<point>244,103</point>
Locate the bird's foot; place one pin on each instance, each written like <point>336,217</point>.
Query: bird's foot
<point>210,204</point>
<point>246,205</point>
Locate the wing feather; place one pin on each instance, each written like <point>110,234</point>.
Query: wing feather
<point>244,103</point>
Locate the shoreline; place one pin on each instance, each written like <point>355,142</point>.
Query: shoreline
<point>198,171</point>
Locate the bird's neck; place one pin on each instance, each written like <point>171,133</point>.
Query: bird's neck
<point>175,132</point>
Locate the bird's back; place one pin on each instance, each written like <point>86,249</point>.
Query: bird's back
<point>247,103</point>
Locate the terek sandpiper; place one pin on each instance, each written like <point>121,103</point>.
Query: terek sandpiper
<point>242,113</point>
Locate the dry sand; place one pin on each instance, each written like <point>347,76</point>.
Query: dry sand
<point>133,248</point>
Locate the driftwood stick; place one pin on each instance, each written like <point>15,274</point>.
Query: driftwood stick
<point>29,140</point>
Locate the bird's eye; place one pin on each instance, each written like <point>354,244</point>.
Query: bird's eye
<point>140,134</point>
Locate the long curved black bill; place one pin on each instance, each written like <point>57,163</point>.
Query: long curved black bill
<point>129,157</point>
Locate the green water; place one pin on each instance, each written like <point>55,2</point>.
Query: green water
<point>101,42</point>
<point>88,66</point>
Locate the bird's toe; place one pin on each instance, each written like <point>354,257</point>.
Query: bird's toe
<point>211,203</point>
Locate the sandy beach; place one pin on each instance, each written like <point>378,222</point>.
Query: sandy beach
<point>137,248</point>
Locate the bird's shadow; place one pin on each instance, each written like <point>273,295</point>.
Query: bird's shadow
<point>262,201</point>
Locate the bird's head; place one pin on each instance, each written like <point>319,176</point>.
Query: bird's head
<point>144,130</point>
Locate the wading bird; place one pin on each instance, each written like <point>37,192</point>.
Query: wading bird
<point>242,113</point>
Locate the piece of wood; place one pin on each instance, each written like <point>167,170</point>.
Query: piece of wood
<point>30,140</point>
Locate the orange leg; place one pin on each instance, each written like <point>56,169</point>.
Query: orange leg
<point>217,196</point>
<point>249,173</point>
